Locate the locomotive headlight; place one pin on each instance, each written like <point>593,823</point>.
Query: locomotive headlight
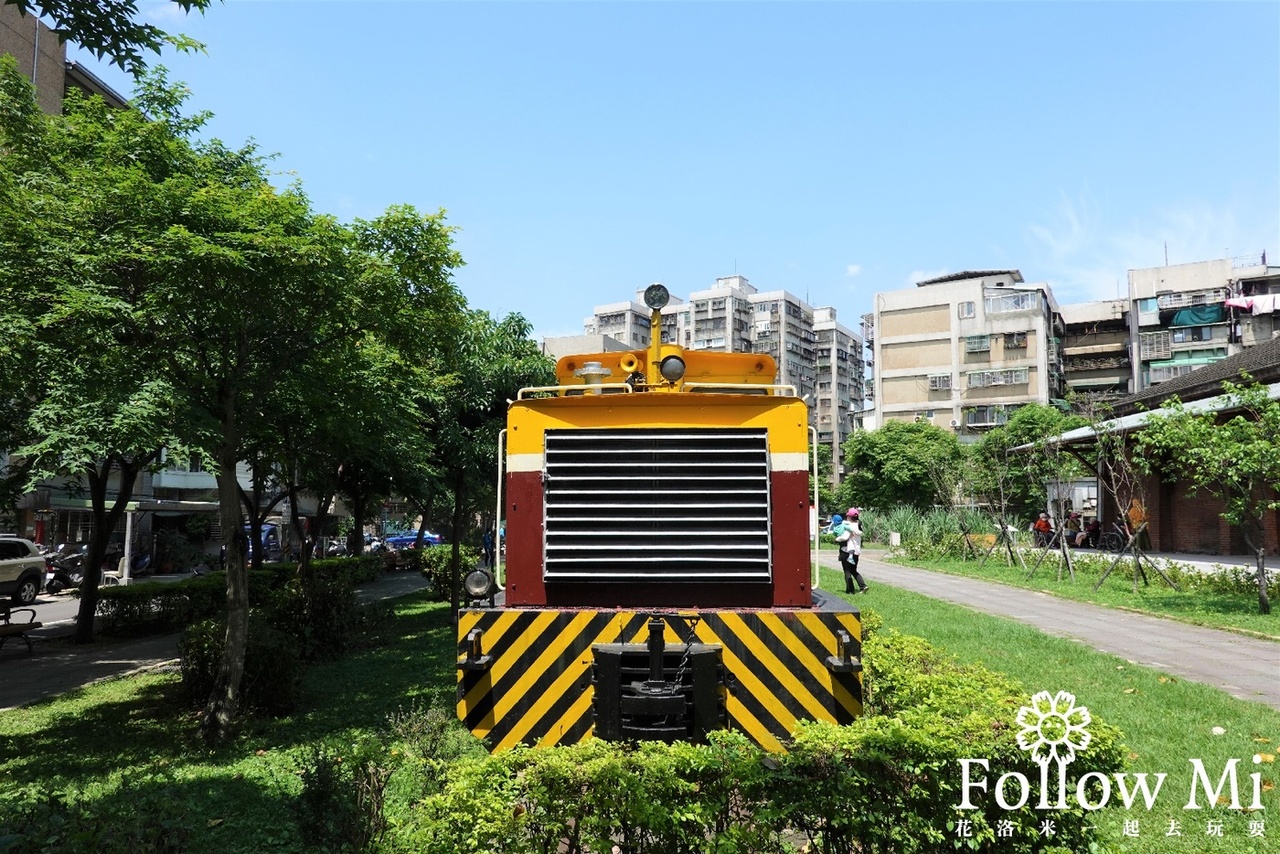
<point>656,296</point>
<point>478,583</point>
<point>672,368</point>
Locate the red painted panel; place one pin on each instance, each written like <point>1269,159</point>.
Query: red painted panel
<point>524,539</point>
<point>790,516</point>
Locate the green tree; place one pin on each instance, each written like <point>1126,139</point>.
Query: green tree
<point>1018,460</point>
<point>895,465</point>
<point>110,27</point>
<point>223,286</point>
<point>1234,456</point>
<point>82,404</point>
<point>494,359</point>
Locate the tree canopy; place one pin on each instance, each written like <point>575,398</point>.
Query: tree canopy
<point>160,291</point>
<point>895,464</point>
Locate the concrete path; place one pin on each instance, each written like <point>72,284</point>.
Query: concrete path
<point>1244,667</point>
<point>57,667</point>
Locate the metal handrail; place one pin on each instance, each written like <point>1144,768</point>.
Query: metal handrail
<point>815,581</point>
<point>498,566</point>
<point>583,387</point>
<point>778,387</point>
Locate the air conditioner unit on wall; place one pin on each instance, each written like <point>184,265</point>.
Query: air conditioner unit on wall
<point>955,423</point>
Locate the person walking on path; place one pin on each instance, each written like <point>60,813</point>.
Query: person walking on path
<point>849,536</point>
<point>487,541</point>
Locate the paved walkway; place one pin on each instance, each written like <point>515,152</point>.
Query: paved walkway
<point>1244,667</point>
<point>57,667</point>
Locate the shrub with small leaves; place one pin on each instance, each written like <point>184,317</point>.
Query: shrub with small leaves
<point>272,681</point>
<point>437,563</point>
<point>343,789</point>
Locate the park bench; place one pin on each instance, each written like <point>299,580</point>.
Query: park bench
<point>9,629</point>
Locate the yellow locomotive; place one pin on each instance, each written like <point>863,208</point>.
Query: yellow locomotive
<point>658,581</point>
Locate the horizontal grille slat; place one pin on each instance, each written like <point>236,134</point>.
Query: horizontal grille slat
<point>657,504</point>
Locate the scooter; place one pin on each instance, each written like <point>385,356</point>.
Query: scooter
<point>58,578</point>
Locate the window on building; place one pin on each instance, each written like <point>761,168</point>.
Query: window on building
<point>985,416</point>
<point>1015,340</point>
<point>987,379</point>
<point>1188,334</point>
<point>1164,373</point>
<point>977,343</point>
<point>940,382</point>
<point>1012,301</point>
<point>966,309</point>
<point>1154,345</point>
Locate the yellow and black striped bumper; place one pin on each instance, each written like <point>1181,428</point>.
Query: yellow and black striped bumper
<point>528,675</point>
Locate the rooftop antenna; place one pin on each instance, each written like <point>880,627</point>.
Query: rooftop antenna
<point>1166,253</point>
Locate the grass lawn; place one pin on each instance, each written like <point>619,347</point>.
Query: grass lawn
<point>1196,602</point>
<point>1166,721</point>
<point>126,750</point>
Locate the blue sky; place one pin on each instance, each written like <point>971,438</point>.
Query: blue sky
<point>832,149</point>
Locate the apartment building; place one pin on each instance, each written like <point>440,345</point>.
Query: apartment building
<point>839,372</point>
<point>784,330</point>
<point>962,351</point>
<point>626,322</point>
<point>1185,316</point>
<point>1095,349</point>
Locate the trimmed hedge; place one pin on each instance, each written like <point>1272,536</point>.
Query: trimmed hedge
<point>889,782</point>
<point>158,607</point>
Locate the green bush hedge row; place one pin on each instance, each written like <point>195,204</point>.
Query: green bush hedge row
<point>890,781</point>
<point>156,607</point>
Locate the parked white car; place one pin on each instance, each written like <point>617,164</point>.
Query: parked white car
<point>21,569</point>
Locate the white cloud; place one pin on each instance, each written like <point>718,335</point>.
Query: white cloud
<point>852,270</point>
<point>163,13</point>
<point>1084,257</point>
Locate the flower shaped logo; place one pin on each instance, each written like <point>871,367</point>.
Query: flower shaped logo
<point>1053,727</point>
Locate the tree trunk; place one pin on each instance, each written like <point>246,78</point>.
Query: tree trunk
<point>355,539</point>
<point>299,533</point>
<point>220,711</point>
<point>459,501</point>
<point>1264,601</point>
<point>104,525</point>
<point>322,521</point>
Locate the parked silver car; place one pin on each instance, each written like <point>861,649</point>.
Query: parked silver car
<point>21,569</point>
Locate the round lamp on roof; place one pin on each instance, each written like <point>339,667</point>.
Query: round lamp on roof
<point>656,296</point>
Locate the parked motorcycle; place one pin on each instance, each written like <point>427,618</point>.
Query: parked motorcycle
<point>64,568</point>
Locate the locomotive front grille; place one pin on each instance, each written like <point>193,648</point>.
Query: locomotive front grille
<point>682,504</point>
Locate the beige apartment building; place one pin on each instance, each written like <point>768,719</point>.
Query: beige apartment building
<point>1185,316</point>
<point>962,351</point>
